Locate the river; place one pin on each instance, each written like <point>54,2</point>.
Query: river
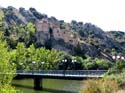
<point>49,86</point>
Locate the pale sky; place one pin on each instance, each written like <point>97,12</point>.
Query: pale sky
<point>107,14</point>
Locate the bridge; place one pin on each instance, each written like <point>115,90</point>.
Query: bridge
<point>58,74</point>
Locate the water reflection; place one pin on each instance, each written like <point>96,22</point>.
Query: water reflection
<point>49,86</point>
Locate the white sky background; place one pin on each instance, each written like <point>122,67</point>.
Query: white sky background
<point>107,14</point>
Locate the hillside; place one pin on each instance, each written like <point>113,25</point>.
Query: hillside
<point>76,38</point>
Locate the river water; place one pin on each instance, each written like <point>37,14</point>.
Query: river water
<point>49,86</point>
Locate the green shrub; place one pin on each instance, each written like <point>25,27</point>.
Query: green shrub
<point>100,86</point>
<point>102,63</point>
<point>120,78</point>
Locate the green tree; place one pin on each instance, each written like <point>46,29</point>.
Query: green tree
<point>5,62</point>
<point>31,56</point>
<point>20,59</point>
<point>80,61</point>
<point>90,64</point>
<point>119,65</point>
<point>42,58</point>
<point>49,57</point>
<point>5,66</point>
<point>31,28</point>
<point>29,34</point>
<point>102,64</point>
<point>54,58</point>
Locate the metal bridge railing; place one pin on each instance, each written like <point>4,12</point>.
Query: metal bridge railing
<point>62,72</point>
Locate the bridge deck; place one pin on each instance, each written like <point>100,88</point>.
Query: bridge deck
<point>65,74</point>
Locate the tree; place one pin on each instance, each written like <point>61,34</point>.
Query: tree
<point>20,59</point>
<point>102,64</point>
<point>5,62</point>
<point>54,58</point>
<point>5,66</point>
<point>80,63</point>
<point>50,57</point>
<point>119,65</point>
<point>29,34</point>
<point>90,64</point>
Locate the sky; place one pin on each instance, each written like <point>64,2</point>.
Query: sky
<point>106,14</point>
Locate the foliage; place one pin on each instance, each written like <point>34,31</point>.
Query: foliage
<point>50,58</point>
<point>80,62</point>
<point>120,78</point>
<point>20,33</point>
<point>89,64</point>
<point>36,14</point>
<point>29,34</point>
<point>102,64</point>
<point>24,57</point>
<point>20,59</point>
<point>6,68</point>
<point>5,65</point>
<point>118,67</point>
<point>93,64</point>
<point>100,86</point>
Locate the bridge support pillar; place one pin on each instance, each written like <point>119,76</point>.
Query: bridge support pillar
<point>38,83</point>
